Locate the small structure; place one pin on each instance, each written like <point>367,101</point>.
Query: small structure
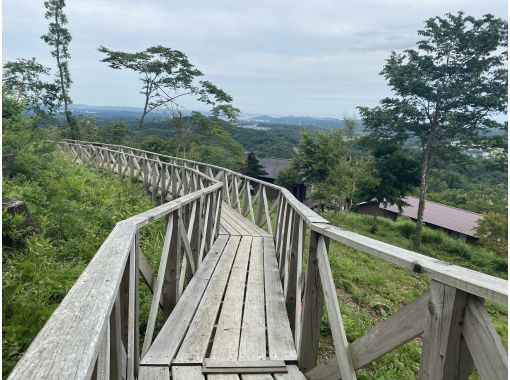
<point>460,224</point>
<point>272,167</point>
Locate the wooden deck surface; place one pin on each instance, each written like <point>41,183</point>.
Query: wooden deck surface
<point>234,313</point>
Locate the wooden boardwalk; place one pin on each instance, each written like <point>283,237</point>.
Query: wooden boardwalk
<point>239,296</point>
<point>238,315</point>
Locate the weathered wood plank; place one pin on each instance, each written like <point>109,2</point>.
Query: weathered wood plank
<point>437,331</point>
<point>197,339</point>
<point>77,325</point>
<point>187,373</point>
<point>280,342</point>
<point>167,342</point>
<point>154,373</point>
<point>470,281</point>
<point>293,374</point>
<point>151,322</point>
<point>253,332</point>
<point>488,353</point>
<point>313,304</point>
<point>335,317</point>
<point>226,340</point>
<point>395,331</point>
<point>398,329</point>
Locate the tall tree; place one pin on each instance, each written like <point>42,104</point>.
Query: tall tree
<point>398,170</point>
<point>252,167</point>
<point>167,75</point>
<point>447,91</point>
<point>58,37</point>
<point>23,80</point>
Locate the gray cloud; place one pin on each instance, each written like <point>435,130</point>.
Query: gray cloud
<point>317,57</point>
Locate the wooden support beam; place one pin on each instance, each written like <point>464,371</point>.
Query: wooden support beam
<point>313,303</point>
<point>445,311</point>
<point>488,353</point>
<point>335,317</point>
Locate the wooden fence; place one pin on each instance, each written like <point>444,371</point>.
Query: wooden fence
<point>451,316</point>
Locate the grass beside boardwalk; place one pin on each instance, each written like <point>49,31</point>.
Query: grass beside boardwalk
<point>75,208</point>
<point>369,290</point>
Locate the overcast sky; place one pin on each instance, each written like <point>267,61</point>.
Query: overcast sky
<point>283,57</point>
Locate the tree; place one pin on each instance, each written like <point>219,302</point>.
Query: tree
<point>316,155</point>
<point>288,177</point>
<point>22,81</point>
<point>447,90</point>
<point>493,233</point>
<point>347,180</point>
<point>252,167</point>
<point>58,37</point>
<point>398,171</point>
<point>167,75</point>
<point>114,133</point>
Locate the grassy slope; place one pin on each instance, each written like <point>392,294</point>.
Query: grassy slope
<point>76,209</point>
<point>369,290</point>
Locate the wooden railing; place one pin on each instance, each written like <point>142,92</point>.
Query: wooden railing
<point>94,333</point>
<point>451,316</point>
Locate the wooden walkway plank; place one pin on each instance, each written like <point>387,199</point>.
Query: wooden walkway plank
<point>226,341</point>
<point>154,373</point>
<point>280,342</point>
<point>165,345</point>
<point>253,331</point>
<point>242,221</point>
<point>294,374</point>
<point>247,224</point>
<point>194,345</point>
<point>187,373</point>
<point>236,224</point>
<point>228,227</point>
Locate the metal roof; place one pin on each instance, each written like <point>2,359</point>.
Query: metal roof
<point>273,165</point>
<point>451,218</point>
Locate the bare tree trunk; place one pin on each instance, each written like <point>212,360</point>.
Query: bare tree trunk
<point>425,165</point>
<point>62,84</point>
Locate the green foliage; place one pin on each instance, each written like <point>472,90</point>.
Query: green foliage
<point>114,133</point>
<point>75,209</point>
<point>252,167</point>
<point>159,145</point>
<point>337,177</point>
<point>493,233</point>
<point>398,172</point>
<point>447,91</point>
<point>22,81</point>
<point>288,177</point>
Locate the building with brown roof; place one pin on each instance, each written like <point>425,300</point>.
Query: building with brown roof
<point>457,222</point>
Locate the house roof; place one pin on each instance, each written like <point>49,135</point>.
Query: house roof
<point>273,165</point>
<point>451,218</point>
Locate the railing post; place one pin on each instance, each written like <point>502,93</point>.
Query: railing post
<point>154,181</point>
<point>444,353</point>
<point>172,272</point>
<point>313,303</point>
<point>293,291</point>
<point>163,183</point>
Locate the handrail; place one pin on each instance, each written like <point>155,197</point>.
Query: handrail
<point>477,283</point>
<point>101,309</point>
<point>456,329</point>
<point>452,301</point>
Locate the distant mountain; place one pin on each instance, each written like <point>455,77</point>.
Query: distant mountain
<point>262,121</point>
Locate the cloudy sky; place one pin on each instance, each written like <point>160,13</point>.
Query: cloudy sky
<point>318,58</point>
